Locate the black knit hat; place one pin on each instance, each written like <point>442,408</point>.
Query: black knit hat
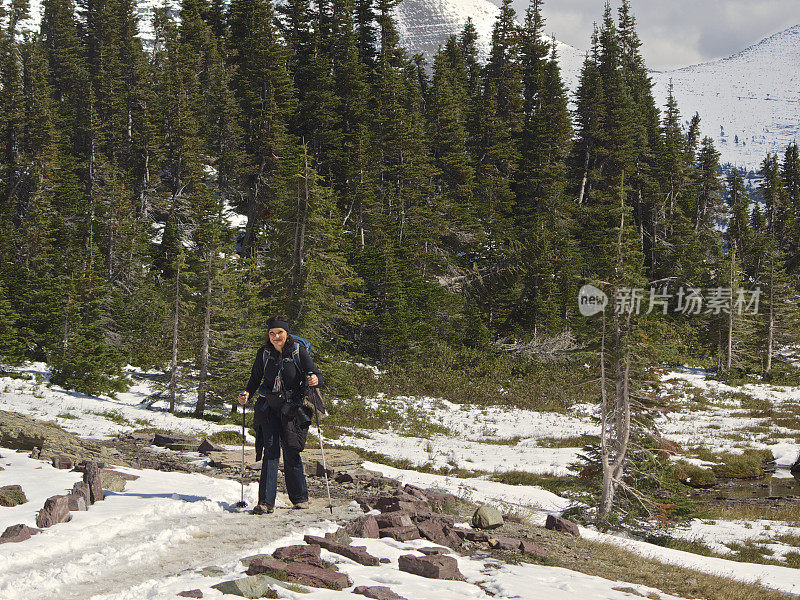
<point>278,323</point>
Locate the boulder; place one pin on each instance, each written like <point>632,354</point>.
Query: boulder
<point>112,481</point>
<point>81,488</point>
<point>401,534</point>
<point>212,571</point>
<point>394,519</point>
<point>561,524</point>
<point>206,447</point>
<point>18,533</point>
<point>257,586</point>
<point>91,477</point>
<point>358,554</point>
<point>364,527</point>
<point>340,535</point>
<point>55,510</point>
<point>62,461</point>
<point>309,554</point>
<point>12,495</point>
<point>528,547</point>
<point>301,573</point>
<point>191,594</point>
<point>432,567</point>
<point>247,560</point>
<point>487,517</point>
<point>445,520</point>
<point>415,491</point>
<point>437,532</point>
<point>76,502</point>
<point>378,592</point>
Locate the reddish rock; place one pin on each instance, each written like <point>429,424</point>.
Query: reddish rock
<point>433,550</point>
<point>472,535</point>
<point>401,534</point>
<point>432,567</point>
<point>266,565</point>
<point>528,547</point>
<point>414,491</point>
<point>81,488</point>
<point>206,447</point>
<point>91,476</point>
<point>394,519</point>
<point>191,594</point>
<point>513,518</point>
<point>358,554</point>
<point>504,543</point>
<point>317,577</point>
<point>301,573</point>
<point>55,510</point>
<point>125,476</point>
<point>364,527</point>
<point>62,461</point>
<point>445,520</point>
<point>561,524</point>
<point>76,502</point>
<point>18,533</point>
<point>378,592</point>
<point>434,531</point>
<point>309,554</point>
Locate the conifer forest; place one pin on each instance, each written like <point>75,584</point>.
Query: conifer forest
<point>436,217</point>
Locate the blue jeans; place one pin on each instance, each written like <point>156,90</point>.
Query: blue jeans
<point>292,465</point>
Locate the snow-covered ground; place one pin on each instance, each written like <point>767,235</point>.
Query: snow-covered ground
<point>162,518</point>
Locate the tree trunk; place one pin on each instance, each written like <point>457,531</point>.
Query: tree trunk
<point>771,325</point>
<point>173,376</point>
<point>730,317</point>
<point>203,386</point>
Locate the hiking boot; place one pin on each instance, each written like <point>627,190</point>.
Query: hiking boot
<point>301,505</point>
<point>263,509</point>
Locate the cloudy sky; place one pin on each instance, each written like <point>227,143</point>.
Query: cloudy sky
<point>676,33</point>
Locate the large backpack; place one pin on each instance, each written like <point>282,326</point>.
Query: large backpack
<point>315,398</point>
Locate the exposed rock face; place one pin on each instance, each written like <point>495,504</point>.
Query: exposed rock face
<point>487,517</point>
<point>55,510</point>
<point>18,533</point>
<point>191,594</point>
<point>12,495</point>
<point>504,543</point>
<point>394,519</point>
<point>168,439</point>
<point>46,441</point>
<point>91,477</point>
<point>433,567</point>
<point>378,592</point>
<point>561,524</point>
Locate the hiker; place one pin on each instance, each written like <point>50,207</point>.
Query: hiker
<point>277,375</point>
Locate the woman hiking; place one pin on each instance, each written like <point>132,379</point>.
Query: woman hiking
<point>278,377</point>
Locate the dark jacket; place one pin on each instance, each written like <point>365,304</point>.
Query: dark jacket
<point>266,366</point>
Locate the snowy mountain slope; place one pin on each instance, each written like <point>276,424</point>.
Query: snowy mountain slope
<point>749,103</point>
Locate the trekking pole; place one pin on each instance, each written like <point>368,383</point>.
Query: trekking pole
<point>321,447</point>
<point>242,503</point>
